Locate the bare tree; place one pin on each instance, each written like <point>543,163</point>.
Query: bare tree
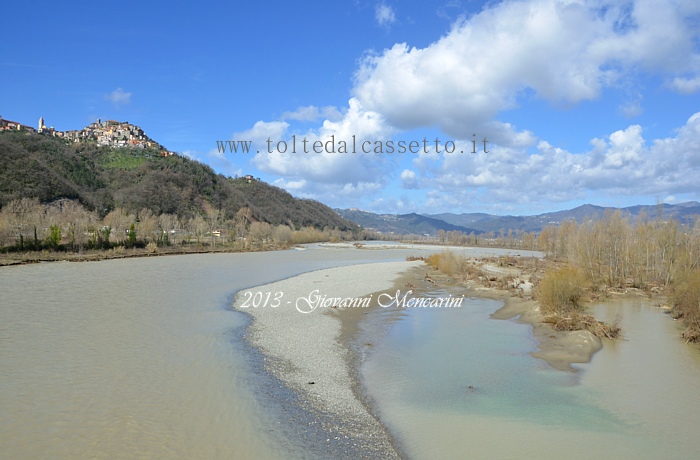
<point>259,232</point>
<point>197,226</point>
<point>281,234</point>
<point>119,221</point>
<point>213,223</point>
<point>168,224</point>
<point>244,216</point>
<point>148,225</point>
<point>77,221</point>
<point>25,214</point>
<point>5,227</point>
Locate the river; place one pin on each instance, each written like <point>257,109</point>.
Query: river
<point>637,399</point>
<point>143,358</point>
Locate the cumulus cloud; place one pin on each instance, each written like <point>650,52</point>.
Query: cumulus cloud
<point>409,179</point>
<point>118,97</point>
<point>563,51</point>
<point>320,163</point>
<point>384,14</point>
<point>622,163</point>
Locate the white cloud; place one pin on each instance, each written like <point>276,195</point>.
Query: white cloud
<point>622,164</point>
<point>262,131</point>
<point>384,14</point>
<point>632,109</point>
<point>408,179</point>
<point>317,168</point>
<point>563,51</point>
<point>118,97</point>
<point>391,205</point>
<point>334,195</point>
<point>191,154</point>
<point>686,85</point>
<point>312,113</point>
<point>670,199</point>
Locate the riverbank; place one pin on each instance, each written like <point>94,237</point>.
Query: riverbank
<point>119,252</point>
<point>560,349</point>
<point>311,333</point>
<point>302,329</point>
<point>35,257</point>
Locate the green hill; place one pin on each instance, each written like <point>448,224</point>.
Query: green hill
<point>104,178</point>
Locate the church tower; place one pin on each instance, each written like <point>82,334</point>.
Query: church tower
<point>41,124</point>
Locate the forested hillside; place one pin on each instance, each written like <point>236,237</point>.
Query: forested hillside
<point>104,179</point>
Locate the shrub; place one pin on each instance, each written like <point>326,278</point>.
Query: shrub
<point>452,264</point>
<point>561,290</point>
<point>152,247</point>
<point>433,260</point>
<point>685,297</point>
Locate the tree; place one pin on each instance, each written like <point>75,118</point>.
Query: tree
<point>197,227</point>
<point>132,235</point>
<point>148,225</point>
<point>5,227</point>
<point>214,218</point>
<point>259,232</point>
<point>120,222</point>
<point>23,213</point>
<point>54,238</point>
<point>243,217</point>
<point>281,234</point>
<point>167,223</point>
<point>77,220</point>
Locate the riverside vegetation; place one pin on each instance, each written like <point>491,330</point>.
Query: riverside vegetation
<point>79,200</point>
<point>66,230</point>
<point>594,260</point>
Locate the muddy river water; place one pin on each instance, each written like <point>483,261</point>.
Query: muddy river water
<point>143,358</point>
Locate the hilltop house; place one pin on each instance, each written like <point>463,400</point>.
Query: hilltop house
<point>109,133</point>
<point>9,125</point>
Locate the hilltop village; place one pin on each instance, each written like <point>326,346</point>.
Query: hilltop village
<point>109,133</point>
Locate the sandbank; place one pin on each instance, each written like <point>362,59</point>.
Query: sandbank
<point>304,349</point>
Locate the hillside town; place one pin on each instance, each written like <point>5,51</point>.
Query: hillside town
<point>108,133</point>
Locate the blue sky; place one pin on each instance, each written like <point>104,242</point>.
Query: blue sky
<point>582,101</point>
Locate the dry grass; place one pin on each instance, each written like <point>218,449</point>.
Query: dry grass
<point>453,265</point>
<point>561,290</point>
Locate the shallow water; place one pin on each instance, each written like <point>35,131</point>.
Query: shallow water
<point>636,399</point>
<point>143,358</point>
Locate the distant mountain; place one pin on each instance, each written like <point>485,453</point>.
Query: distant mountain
<point>492,223</point>
<point>485,223</point>
<point>684,212</point>
<point>402,223</point>
<point>102,178</point>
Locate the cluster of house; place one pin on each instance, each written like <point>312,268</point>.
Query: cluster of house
<point>9,125</point>
<point>105,133</point>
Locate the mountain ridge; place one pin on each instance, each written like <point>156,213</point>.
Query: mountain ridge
<point>480,223</point>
